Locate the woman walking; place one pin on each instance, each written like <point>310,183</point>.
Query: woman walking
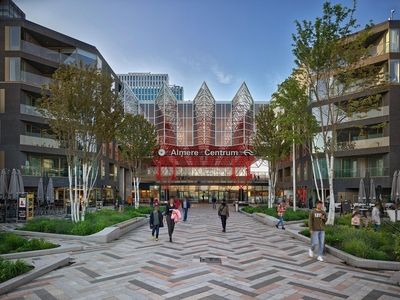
<point>169,209</point>
<point>223,213</point>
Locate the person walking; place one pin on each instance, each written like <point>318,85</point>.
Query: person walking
<point>316,224</point>
<point>223,213</point>
<point>214,202</point>
<point>156,221</point>
<point>281,212</point>
<point>355,220</point>
<point>170,207</point>
<point>376,219</point>
<point>185,208</point>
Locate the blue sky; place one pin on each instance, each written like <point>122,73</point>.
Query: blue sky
<point>222,42</point>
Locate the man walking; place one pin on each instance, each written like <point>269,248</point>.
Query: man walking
<point>185,207</point>
<point>281,212</point>
<point>223,213</point>
<point>316,224</point>
<point>214,202</point>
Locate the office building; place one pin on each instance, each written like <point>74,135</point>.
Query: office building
<point>146,86</point>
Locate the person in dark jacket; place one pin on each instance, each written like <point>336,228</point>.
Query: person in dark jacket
<point>156,221</point>
<point>185,208</point>
<point>223,213</point>
<point>214,202</point>
<point>167,217</point>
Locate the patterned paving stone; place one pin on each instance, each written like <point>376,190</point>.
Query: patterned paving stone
<point>257,262</point>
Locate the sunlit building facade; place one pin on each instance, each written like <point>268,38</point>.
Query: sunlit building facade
<point>205,146</point>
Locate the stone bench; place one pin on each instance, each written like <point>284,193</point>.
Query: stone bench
<point>127,223</point>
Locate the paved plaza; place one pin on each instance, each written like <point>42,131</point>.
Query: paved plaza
<point>257,262</point>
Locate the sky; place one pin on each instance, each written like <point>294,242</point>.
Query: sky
<point>222,42</point>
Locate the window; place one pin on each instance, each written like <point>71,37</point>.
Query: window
<point>15,37</point>
<point>394,71</point>
<point>15,68</point>
<point>103,170</point>
<point>394,40</point>
<point>305,171</point>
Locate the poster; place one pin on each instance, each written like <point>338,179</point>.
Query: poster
<point>22,199</point>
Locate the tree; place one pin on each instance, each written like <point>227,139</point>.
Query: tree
<point>137,139</point>
<point>331,63</point>
<point>290,102</point>
<point>269,146</point>
<point>83,112</point>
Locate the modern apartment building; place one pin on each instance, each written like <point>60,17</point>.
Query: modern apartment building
<point>29,55</point>
<point>375,150</point>
<point>146,86</point>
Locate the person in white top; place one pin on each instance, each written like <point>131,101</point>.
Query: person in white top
<point>376,219</point>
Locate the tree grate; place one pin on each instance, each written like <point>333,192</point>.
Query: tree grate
<point>214,260</point>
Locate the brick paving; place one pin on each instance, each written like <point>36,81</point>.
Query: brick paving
<point>256,262</point>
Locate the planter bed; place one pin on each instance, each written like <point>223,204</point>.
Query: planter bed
<point>106,235</point>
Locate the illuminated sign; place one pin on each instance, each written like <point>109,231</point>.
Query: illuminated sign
<point>207,152</point>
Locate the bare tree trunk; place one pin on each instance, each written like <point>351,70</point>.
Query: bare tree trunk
<point>314,175</point>
<point>321,196</point>
<point>76,198</point>
<point>331,214</point>
<point>71,194</point>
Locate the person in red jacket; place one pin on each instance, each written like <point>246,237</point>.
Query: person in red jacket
<point>281,212</point>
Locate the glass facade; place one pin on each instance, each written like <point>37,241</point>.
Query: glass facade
<point>146,86</point>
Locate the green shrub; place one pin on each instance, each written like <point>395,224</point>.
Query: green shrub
<point>363,243</point>
<point>305,232</point>
<point>11,243</point>
<point>10,269</point>
<point>94,222</point>
<point>356,247</point>
<point>290,215</point>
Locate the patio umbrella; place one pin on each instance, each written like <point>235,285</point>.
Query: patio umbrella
<point>50,192</point>
<point>397,190</point>
<point>394,186</point>
<point>372,191</point>
<point>3,185</point>
<point>40,192</point>
<point>361,192</point>
<point>21,187</point>
<point>13,190</point>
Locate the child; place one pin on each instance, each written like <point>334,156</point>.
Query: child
<point>355,220</point>
<point>156,221</point>
<point>366,219</point>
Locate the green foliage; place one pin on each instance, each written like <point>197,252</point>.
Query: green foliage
<point>93,223</point>
<point>290,215</point>
<point>137,140</point>
<point>363,243</point>
<point>10,269</point>
<point>12,243</point>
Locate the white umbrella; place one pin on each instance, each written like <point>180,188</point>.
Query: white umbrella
<point>40,192</point>
<point>372,191</point>
<point>3,185</point>
<point>361,192</point>
<point>397,190</point>
<point>50,192</point>
<point>21,187</point>
<point>13,190</point>
<point>394,186</point>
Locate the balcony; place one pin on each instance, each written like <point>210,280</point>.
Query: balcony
<point>379,49</point>
<point>29,110</point>
<point>360,172</point>
<point>34,79</point>
<point>38,141</point>
<point>363,144</point>
<point>39,171</point>
<point>43,52</point>
<point>383,111</point>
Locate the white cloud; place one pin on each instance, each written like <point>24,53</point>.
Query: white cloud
<point>221,75</point>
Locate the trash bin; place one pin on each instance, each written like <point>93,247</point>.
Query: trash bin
<point>237,206</point>
<point>68,215</point>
